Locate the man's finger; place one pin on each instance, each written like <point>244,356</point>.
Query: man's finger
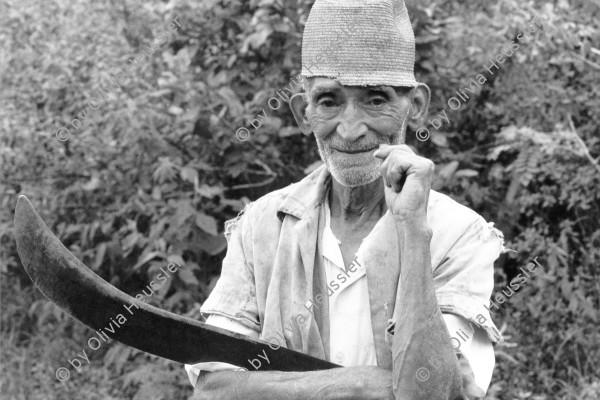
<point>383,151</point>
<point>383,168</point>
<point>396,172</point>
<point>396,178</point>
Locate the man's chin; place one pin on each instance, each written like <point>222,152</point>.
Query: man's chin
<point>354,177</point>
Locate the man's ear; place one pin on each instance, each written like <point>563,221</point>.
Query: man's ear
<point>419,106</point>
<point>298,105</point>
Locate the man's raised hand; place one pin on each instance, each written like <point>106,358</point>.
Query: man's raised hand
<point>407,178</point>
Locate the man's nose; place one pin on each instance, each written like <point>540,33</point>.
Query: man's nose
<point>351,125</point>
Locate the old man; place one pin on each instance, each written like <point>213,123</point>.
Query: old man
<point>359,263</point>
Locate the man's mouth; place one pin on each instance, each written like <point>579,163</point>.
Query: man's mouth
<point>356,151</point>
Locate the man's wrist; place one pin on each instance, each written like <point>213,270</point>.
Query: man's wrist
<point>413,223</point>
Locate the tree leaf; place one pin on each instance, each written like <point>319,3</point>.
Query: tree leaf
<point>207,224</point>
<point>189,174</point>
<point>165,171</point>
<point>209,191</point>
<point>466,173</point>
<point>439,139</point>
<point>176,258</point>
<point>100,253</point>
<point>187,276</point>
<point>235,106</point>
<point>145,258</point>
<point>289,131</point>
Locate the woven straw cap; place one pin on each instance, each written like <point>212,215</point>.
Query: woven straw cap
<point>360,43</point>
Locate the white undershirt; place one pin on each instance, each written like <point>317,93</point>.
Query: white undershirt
<point>350,331</point>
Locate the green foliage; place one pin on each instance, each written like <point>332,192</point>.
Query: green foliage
<point>518,151</point>
<point>152,174</point>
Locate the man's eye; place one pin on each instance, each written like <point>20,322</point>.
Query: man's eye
<point>377,101</point>
<point>326,102</point>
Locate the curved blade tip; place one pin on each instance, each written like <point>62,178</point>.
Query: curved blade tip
<point>22,201</point>
<point>23,212</point>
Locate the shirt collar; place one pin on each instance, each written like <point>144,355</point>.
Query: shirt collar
<point>331,244</point>
<point>307,194</point>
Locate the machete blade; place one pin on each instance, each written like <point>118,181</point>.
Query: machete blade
<point>67,282</point>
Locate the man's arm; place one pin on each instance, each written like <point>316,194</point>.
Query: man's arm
<point>334,384</point>
<point>340,383</point>
<point>420,333</point>
<point>219,321</point>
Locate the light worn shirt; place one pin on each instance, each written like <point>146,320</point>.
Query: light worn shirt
<point>351,334</point>
<point>279,248</point>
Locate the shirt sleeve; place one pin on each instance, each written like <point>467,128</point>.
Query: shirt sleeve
<point>464,278</point>
<point>232,303</point>
<point>473,344</point>
<point>234,295</point>
<point>232,325</point>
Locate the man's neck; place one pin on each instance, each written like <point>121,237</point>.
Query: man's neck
<point>357,204</point>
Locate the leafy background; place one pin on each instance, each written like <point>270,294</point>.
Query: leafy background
<point>152,174</point>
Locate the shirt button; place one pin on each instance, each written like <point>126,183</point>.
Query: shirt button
<point>339,357</point>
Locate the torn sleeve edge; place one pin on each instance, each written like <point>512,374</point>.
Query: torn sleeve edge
<point>247,322</point>
<point>448,304</point>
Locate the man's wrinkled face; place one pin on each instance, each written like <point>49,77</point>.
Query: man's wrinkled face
<point>350,122</point>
